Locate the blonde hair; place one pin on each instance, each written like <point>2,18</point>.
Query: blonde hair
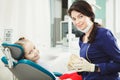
<point>22,41</point>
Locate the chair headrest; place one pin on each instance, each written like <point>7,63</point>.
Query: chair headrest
<point>16,50</point>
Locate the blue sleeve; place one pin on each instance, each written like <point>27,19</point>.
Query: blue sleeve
<point>110,47</point>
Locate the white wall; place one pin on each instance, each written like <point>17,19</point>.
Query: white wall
<point>110,15</point>
<point>30,18</point>
<point>117,15</point>
<point>58,8</point>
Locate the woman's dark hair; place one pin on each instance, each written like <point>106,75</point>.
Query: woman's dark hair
<point>86,9</point>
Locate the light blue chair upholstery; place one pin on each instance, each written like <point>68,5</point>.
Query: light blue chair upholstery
<point>25,69</point>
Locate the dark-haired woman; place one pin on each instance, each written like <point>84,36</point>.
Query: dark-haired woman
<point>99,52</point>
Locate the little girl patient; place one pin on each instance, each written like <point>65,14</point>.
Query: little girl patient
<point>32,53</point>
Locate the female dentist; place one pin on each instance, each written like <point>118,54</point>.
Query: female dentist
<point>99,52</point>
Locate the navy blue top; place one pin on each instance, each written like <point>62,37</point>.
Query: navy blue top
<point>103,52</point>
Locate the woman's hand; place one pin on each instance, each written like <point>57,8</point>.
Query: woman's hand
<point>80,64</point>
<point>84,65</point>
<point>74,59</point>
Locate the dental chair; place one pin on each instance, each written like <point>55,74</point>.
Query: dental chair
<point>24,69</point>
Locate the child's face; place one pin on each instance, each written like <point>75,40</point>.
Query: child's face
<point>31,52</point>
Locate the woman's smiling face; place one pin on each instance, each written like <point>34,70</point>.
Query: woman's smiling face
<point>79,20</point>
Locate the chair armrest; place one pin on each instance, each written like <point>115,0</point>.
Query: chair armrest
<point>57,74</point>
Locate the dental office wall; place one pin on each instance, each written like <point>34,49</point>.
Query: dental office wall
<point>117,15</point>
<point>29,18</point>
<point>100,13</point>
<point>56,13</point>
<point>112,16</point>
